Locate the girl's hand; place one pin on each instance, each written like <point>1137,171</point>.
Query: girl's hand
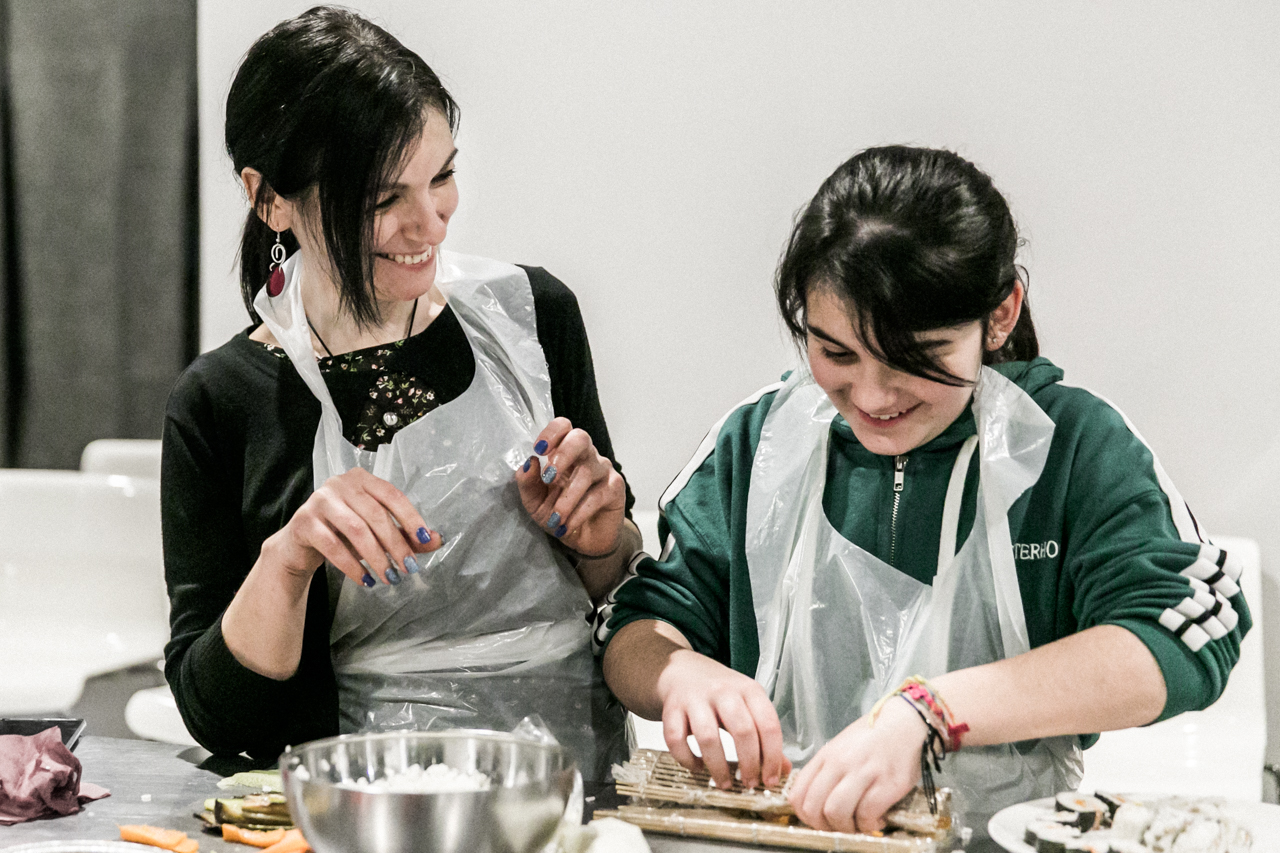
<point>700,696</point>
<point>861,772</point>
<point>579,497</point>
<point>352,517</point>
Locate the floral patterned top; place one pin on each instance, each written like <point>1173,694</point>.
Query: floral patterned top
<point>391,397</point>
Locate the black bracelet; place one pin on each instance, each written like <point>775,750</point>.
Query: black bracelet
<point>934,747</point>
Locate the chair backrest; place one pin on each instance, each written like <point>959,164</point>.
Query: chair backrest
<point>133,457</point>
<point>81,583</point>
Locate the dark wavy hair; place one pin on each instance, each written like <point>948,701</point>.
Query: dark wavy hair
<point>912,239</point>
<point>332,102</point>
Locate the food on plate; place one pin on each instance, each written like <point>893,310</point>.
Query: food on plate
<point>1087,812</point>
<point>157,836</point>
<point>1112,823</point>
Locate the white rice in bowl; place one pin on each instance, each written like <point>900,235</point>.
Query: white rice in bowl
<point>416,779</point>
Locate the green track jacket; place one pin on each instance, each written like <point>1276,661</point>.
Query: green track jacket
<point>1102,538</point>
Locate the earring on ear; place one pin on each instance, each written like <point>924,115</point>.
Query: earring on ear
<point>275,284</point>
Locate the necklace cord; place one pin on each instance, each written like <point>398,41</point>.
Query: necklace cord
<point>408,331</point>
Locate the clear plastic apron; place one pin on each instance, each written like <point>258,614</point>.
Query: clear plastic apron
<point>839,628</point>
<point>493,628</point>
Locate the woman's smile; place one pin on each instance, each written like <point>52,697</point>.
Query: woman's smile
<point>402,262</point>
<point>416,260</point>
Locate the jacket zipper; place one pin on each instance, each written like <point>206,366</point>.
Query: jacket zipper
<point>899,479</point>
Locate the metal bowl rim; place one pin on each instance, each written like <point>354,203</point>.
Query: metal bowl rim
<point>314,746</point>
<point>443,734</point>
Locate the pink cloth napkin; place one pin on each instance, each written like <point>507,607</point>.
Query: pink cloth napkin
<point>39,776</point>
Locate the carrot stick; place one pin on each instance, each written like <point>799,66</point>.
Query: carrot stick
<point>188,846</point>
<point>253,837</point>
<point>156,836</point>
<point>293,842</point>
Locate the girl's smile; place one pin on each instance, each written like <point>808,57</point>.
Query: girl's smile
<point>876,421</point>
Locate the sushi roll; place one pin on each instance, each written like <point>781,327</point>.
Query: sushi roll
<point>1165,827</point>
<point>1089,810</point>
<point>1202,836</point>
<point>1112,801</point>
<point>1120,846</point>
<point>1055,839</point>
<point>1052,829</point>
<point>1130,821</point>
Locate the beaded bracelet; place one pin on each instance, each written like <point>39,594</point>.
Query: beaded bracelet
<point>922,696</point>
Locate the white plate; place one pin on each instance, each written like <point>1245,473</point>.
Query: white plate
<point>1008,826</point>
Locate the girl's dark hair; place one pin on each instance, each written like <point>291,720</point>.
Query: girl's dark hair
<point>332,101</point>
<point>912,239</point>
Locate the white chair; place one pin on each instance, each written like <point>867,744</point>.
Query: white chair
<point>1215,752</point>
<point>133,457</point>
<point>151,713</point>
<point>81,583</point>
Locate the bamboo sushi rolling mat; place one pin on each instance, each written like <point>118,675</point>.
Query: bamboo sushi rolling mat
<point>709,823</point>
<point>718,813</point>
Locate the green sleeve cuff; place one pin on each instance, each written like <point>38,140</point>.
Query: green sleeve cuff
<point>1189,683</point>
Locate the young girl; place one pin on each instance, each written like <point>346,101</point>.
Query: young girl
<point>380,417</point>
<point>923,497</point>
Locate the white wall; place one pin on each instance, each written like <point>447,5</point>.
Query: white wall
<point>652,155</point>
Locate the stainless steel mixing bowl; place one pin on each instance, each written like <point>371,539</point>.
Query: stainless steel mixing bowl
<point>530,784</point>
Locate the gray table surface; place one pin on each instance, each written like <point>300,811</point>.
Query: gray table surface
<point>159,784</point>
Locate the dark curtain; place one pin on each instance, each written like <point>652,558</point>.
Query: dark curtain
<point>98,174</point>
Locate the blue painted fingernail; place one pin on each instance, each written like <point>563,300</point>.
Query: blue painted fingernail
<point>368,580</point>
<point>540,448</point>
<point>411,565</point>
<point>561,530</point>
<point>553,520</point>
<point>527,463</point>
<point>393,577</point>
<point>424,535</point>
<point>549,474</point>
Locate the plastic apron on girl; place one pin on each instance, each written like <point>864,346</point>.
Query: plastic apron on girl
<point>493,627</point>
<point>839,628</point>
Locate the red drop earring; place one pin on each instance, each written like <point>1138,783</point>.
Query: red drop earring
<point>275,284</point>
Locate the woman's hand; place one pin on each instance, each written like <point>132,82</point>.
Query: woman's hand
<point>861,772</point>
<point>579,497</point>
<point>352,517</point>
<point>699,697</point>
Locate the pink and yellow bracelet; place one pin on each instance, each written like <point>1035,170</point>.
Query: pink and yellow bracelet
<point>928,702</point>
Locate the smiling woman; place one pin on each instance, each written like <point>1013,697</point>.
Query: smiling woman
<point>388,502</point>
